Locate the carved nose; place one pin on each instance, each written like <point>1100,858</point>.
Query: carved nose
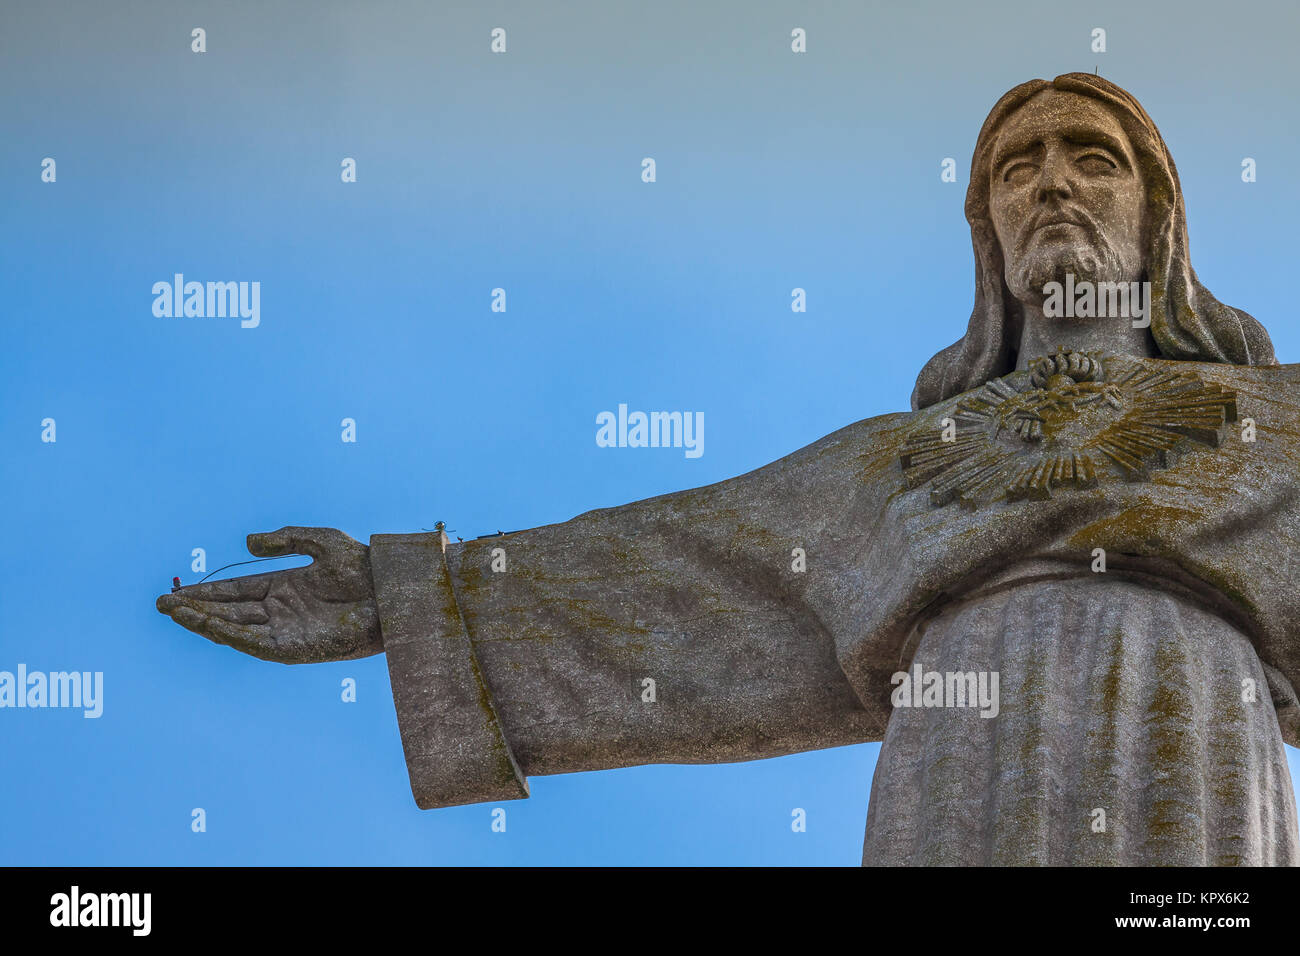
<point>1057,189</point>
<point>1053,183</point>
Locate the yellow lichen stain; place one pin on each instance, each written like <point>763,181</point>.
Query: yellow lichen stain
<point>1142,527</point>
<point>1176,750</point>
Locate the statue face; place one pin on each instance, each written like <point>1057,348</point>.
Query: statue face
<point>1066,196</point>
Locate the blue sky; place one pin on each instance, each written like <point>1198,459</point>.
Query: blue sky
<point>477,171</point>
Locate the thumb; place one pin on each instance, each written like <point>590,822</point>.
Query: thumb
<point>295,539</point>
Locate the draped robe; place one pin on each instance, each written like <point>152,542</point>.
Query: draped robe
<point>1158,691</point>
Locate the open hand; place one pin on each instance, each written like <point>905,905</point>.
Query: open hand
<point>323,612</point>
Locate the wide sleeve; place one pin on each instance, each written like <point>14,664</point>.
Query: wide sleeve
<point>689,628</point>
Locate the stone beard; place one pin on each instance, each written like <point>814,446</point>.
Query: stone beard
<point>1086,514</point>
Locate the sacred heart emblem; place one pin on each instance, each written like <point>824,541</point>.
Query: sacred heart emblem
<point>1078,418</point>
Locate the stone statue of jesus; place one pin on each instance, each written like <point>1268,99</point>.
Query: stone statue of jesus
<point>1090,515</point>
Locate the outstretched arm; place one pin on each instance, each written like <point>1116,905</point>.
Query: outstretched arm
<point>679,629</point>
<point>621,637</point>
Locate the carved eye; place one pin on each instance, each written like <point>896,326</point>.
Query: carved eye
<point>1018,173</point>
<point>1095,163</point>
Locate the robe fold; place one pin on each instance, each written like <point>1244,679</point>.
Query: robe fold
<point>679,629</point>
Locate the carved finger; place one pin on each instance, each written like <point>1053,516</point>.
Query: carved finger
<point>250,639</point>
<point>252,587</point>
<point>254,639</point>
<point>237,612</point>
<point>296,539</point>
<point>277,544</point>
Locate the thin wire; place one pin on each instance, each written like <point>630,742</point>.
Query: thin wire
<point>251,561</point>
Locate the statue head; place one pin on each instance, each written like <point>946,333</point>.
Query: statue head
<point>1072,177</point>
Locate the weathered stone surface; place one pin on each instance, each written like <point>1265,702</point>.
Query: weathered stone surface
<point>1120,706</point>
<point>694,590</point>
<point>455,750</point>
<point>1099,512</point>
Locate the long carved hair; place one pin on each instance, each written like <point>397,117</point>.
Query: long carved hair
<point>1187,322</point>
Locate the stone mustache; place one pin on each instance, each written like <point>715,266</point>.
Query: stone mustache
<point>1098,511</point>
